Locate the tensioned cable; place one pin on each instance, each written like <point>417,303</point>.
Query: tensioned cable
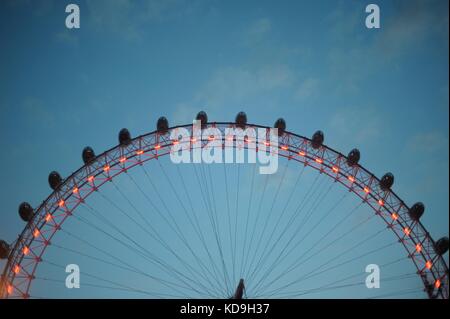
<point>330,210</point>
<point>97,277</point>
<point>164,218</point>
<point>353,284</point>
<point>365,240</point>
<point>270,269</point>
<point>286,204</point>
<point>130,267</point>
<point>142,251</point>
<point>192,270</point>
<point>256,221</point>
<point>229,284</point>
<point>399,293</point>
<point>77,252</point>
<point>200,232</point>
<point>211,219</point>
<point>178,230</point>
<point>356,274</point>
<point>307,196</point>
<point>147,293</point>
<point>214,221</point>
<point>187,214</point>
<point>250,201</point>
<point>316,203</point>
<point>266,223</point>
<point>236,213</point>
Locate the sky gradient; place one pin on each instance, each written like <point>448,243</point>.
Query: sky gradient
<point>314,63</point>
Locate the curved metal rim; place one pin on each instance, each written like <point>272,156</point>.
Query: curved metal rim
<point>60,204</point>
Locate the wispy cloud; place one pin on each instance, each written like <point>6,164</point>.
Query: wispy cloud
<point>236,84</point>
<point>67,37</point>
<point>407,26</point>
<point>359,124</point>
<point>307,88</point>
<point>257,31</point>
<point>129,19</point>
<point>429,142</point>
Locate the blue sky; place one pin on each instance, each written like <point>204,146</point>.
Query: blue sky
<point>314,63</point>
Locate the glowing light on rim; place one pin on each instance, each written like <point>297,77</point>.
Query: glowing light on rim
<point>364,172</point>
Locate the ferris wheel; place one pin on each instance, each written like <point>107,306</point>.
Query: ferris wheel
<point>138,225</point>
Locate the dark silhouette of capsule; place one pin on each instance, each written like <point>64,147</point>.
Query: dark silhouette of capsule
<point>4,249</point>
<point>124,137</point>
<point>88,155</point>
<point>162,125</point>
<point>202,117</point>
<point>26,212</point>
<point>441,246</point>
<point>353,157</point>
<point>317,139</point>
<point>241,120</point>
<point>54,180</point>
<point>280,124</point>
<point>416,211</point>
<point>387,181</point>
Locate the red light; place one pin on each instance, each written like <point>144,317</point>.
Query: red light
<point>157,147</point>
<point>175,142</point>
<point>9,289</point>
<point>351,178</point>
<point>437,283</point>
<point>48,217</point>
<point>335,169</point>
<point>407,231</point>
<point>36,233</point>
<point>267,143</point>
<point>284,147</point>
<point>26,250</point>
<point>394,216</point>
<point>16,269</point>
<point>91,179</point>
<point>418,248</point>
<point>428,264</point>
<point>366,190</point>
<point>75,190</point>
<point>61,203</point>
<point>301,153</point>
<point>123,159</point>
<point>139,152</point>
<point>380,202</point>
<point>106,168</point>
<point>319,160</point>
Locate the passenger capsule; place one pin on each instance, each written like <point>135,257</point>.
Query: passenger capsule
<point>124,137</point>
<point>441,246</point>
<point>280,124</point>
<point>353,157</point>
<point>4,249</point>
<point>202,117</point>
<point>241,120</point>
<point>26,212</point>
<point>317,139</point>
<point>416,211</point>
<point>162,125</point>
<point>88,155</point>
<point>54,180</point>
<point>387,181</point>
